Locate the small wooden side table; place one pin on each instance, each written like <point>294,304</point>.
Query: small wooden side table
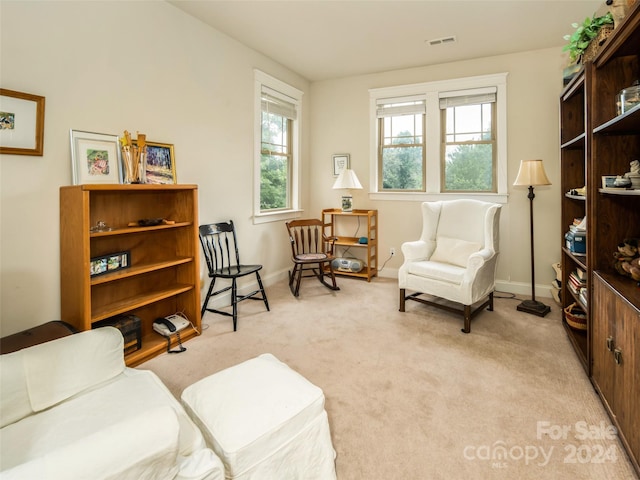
<point>36,335</point>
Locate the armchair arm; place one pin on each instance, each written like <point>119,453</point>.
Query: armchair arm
<point>329,243</point>
<point>478,261</point>
<point>417,250</point>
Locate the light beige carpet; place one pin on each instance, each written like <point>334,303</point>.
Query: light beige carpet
<point>411,397</point>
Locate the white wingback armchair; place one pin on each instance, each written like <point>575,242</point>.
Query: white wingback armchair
<point>455,258</point>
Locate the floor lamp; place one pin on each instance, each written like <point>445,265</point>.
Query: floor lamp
<point>532,174</point>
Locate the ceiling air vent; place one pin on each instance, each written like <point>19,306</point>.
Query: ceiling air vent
<point>442,41</point>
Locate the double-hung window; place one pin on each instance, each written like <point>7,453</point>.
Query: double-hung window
<point>436,138</point>
<point>277,160</point>
<point>468,161</point>
<point>401,148</point>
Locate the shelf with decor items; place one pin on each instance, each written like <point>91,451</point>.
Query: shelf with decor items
<point>610,346</point>
<point>339,224</point>
<point>161,275</point>
<point>573,175</point>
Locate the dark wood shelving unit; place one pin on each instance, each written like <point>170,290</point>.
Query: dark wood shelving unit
<point>595,141</point>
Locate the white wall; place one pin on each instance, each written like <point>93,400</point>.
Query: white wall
<point>140,66</point>
<point>146,66</point>
<point>340,120</point>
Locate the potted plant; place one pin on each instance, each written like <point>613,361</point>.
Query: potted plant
<point>584,34</point>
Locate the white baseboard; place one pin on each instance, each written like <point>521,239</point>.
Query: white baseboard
<point>519,289</point>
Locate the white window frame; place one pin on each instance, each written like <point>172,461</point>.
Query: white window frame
<point>432,91</point>
<point>262,79</point>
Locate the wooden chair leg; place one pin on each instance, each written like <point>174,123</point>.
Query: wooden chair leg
<point>467,319</point>
<point>207,297</point>
<point>490,307</point>
<point>264,294</point>
<point>402,297</point>
<point>334,285</point>
<point>234,303</point>
<point>298,279</point>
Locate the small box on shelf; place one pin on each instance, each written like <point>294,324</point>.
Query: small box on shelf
<point>576,241</point>
<point>131,328</point>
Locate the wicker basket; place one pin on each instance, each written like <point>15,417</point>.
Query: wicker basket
<point>575,317</point>
<point>619,10</point>
<point>594,46</point>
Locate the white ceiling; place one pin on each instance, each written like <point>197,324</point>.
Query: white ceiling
<point>324,39</point>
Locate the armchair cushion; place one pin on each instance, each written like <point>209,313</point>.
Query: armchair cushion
<point>145,447</point>
<point>437,271</point>
<point>454,251</point>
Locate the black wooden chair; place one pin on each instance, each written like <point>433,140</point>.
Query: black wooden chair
<point>311,252</point>
<point>223,261</point>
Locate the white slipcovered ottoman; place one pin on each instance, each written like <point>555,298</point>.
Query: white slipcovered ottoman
<point>264,421</point>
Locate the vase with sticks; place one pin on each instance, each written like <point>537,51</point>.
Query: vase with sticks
<point>134,157</point>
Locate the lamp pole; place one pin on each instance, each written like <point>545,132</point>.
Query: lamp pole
<point>532,306</point>
<point>531,196</point>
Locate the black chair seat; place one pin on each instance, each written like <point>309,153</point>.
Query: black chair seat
<point>236,271</point>
<point>220,248</point>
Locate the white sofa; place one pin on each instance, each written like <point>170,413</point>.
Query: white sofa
<point>71,409</point>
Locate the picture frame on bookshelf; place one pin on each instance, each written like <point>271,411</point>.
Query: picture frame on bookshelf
<point>95,158</point>
<point>109,263</point>
<point>160,167</point>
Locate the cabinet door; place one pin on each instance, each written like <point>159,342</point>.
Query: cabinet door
<point>627,393</point>
<point>604,314</point>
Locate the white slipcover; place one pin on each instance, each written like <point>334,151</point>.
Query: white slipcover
<point>264,420</point>
<point>465,234</point>
<point>71,409</point>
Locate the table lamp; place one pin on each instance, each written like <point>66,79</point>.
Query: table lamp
<point>532,174</point>
<point>347,180</point>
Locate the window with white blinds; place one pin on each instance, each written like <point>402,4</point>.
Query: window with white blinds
<point>439,137</point>
<point>468,161</point>
<point>401,123</point>
<point>277,140</point>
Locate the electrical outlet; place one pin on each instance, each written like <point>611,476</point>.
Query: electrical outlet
<point>392,251</point>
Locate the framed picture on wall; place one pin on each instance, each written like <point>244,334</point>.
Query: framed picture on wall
<point>340,162</point>
<point>21,123</point>
<point>95,158</point>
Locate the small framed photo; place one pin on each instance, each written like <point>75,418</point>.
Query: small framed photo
<point>21,123</point>
<point>340,162</point>
<point>109,263</point>
<point>608,181</point>
<point>161,164</point>
<point>95,158</point>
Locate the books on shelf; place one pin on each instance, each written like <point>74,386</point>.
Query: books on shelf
<point>577,281</point>
<point>583,296</point>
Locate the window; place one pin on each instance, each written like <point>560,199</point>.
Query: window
<point>277,141</point>
<point>445,137</point>
<point>401,124</point>
<point>468,141</point>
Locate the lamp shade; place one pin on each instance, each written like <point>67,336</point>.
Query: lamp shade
<point>531,173</point>
<point>347,179</point>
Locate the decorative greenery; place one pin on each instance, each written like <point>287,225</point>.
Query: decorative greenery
<point>584,33</point>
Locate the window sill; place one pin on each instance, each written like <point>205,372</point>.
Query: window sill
<point>260,218</point>
<point>501,198</point>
